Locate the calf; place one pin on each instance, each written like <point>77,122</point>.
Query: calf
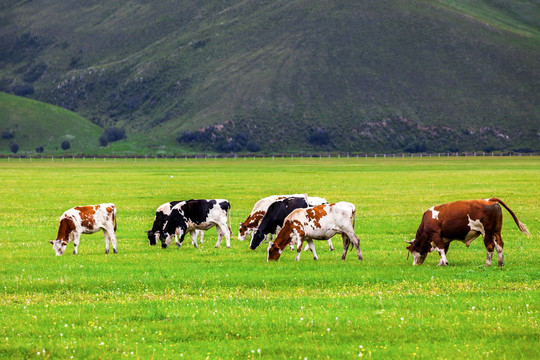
<point>188,216</point>
<point>162,215</point>
<point>317,223</point>
<point>274,217</point>
<point>463,221</point>
<point>86,220</point>
<point>252,222</point>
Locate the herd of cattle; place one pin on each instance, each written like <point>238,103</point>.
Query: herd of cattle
<point>294,219</point>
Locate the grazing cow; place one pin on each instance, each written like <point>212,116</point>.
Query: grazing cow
<point>191,215</point>
<point>317,223</point>
<point>86,220</point>
<point>274,217</point>
<point>162,215</point>
<point>259,210</point>
<point>463,221</point>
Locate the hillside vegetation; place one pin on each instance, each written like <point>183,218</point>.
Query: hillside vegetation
<point>29,126</point>
<point>285,75</point>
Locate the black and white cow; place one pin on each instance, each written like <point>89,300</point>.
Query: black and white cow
<point>162,215</point>
<point>191,215</point>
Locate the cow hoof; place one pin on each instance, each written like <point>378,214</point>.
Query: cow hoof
<point>443,264</point>
<point>228,247</point>
<point>331,249</point>
<point>115,251</point>
<point>217,246</point>
<point>106,252</point>
<point>501,263</point>
<point>360,258</point>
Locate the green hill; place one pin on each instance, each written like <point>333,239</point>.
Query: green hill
<point>32,125</point>
<point>285,75</point>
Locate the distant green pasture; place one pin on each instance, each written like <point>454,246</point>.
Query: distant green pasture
<point>146,302</point>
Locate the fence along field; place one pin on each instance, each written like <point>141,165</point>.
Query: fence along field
<point>212,303</point>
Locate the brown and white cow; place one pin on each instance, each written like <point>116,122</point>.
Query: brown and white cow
<point>86,220</point>
<point>317,223</point>
<point>463,221</point>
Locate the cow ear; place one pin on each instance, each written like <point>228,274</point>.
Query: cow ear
<point>51,242</point>
<point>410,242</point>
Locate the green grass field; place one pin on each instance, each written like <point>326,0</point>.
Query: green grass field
<point>207,303</point>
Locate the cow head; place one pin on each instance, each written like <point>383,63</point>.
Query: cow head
<point>153,237</point>
<point>274,252</point>
<point>179,228</point>
<point>256,240</point>
<point>418,250</point>
<point>59,246</point>
<point>242,232</point>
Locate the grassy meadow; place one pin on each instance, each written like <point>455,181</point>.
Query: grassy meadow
<point>207,303</point>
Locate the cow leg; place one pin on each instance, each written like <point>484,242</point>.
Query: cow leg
<point>112,235</point>
<point>225,231</point>
<point>489,243</point>
<point>298,249</point>
<point>446,247</point>
<point>193,234</point>
<point>439,246</point>
<point>346,243</point>
<point>76,244</point>
<point>330,245</point>
<point>107,241</point>
<point>499,245</point>
<point>311,246</point>
<point>202,235</point>
<point>354,239</point>
<point>180,240</point>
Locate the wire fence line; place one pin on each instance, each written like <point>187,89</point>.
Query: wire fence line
<point>260,156</point>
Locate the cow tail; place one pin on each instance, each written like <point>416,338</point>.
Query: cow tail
<point>519,224</point>
<point>229,219</point>
<point>114,217</point>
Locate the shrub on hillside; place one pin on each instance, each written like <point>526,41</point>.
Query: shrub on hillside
<point>35,72</point>
<point>103,142</point>
<point>253,146</point>
<point>39,149</point>
<point>65,145</point>
<point>416,147</point>
<point>14,148</point>
<point>319,137</point>
<point>8,134</point>
<point>114,134</point>
<point>22,89</point>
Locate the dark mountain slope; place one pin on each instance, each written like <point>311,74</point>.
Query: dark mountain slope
<point>286,75</point>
